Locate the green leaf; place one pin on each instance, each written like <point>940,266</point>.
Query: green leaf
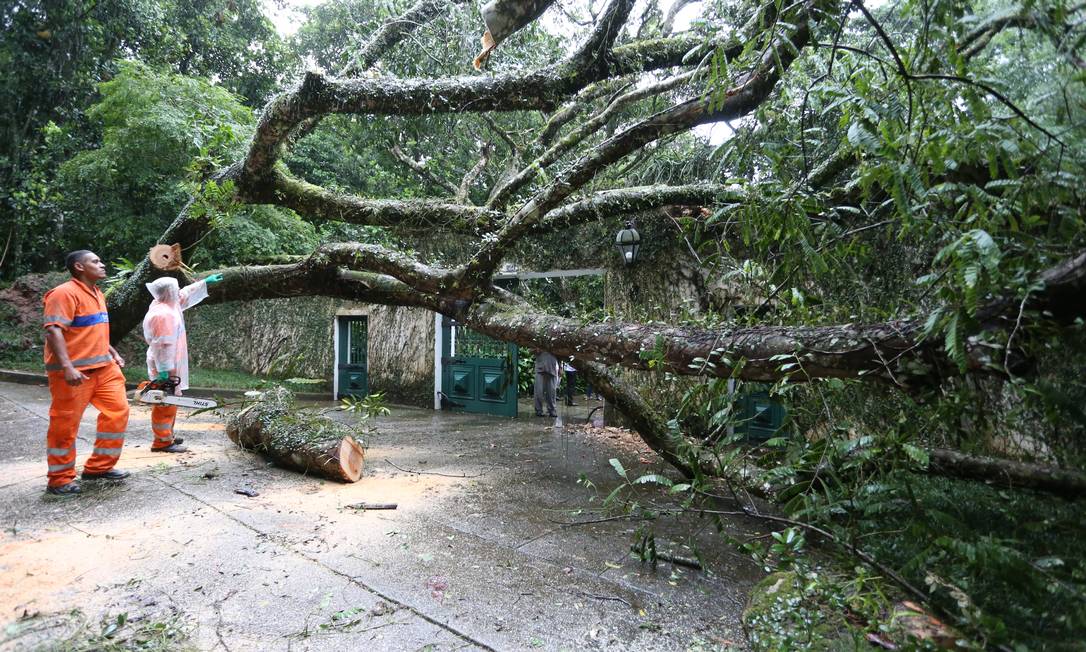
<point>614,494</point>
<point>954,344</point>
<point>619,469</point>
<point>653,478</point>
<point>916,454</point>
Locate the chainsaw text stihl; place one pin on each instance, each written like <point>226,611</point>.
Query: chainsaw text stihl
<point>161,392</point>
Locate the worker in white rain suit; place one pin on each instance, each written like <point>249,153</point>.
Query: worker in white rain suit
<point>167,349</point>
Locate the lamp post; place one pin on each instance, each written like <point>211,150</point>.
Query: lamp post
<point>628,242</point>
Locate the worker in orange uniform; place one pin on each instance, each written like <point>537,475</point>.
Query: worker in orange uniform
<point>82,368</point>
<point>168,349</point>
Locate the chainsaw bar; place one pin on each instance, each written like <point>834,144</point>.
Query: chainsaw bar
<point>157,396</point>
<point>158,392</point>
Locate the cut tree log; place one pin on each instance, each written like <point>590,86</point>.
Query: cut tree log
<point>297,440</point>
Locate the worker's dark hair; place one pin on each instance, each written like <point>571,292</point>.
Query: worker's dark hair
<point>75,257</point>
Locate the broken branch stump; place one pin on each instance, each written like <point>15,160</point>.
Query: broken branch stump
<point>1068,483</point>
<point>295,439</point>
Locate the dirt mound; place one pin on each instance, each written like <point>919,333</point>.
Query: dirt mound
<point>20,309</point>
<point>23,296</point>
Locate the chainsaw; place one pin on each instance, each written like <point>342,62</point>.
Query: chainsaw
<point>161,392</point>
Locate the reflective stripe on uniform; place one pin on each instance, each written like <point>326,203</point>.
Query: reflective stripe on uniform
<point>110,436</point>
<point>162,426</point>
<point>59,452</point>
<point>61,467</point>
<point>81,362</point>
<point>56,319</point>
<point>90,320</point>
<point>109,452</point>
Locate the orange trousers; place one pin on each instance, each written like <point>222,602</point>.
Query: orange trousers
<point>105,390</point>
<point>162,420</point>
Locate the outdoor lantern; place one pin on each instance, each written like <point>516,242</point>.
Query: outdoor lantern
<point>628,242</point>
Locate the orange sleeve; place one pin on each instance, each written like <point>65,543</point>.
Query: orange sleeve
<point>59,308</point>
<point>163,326</point>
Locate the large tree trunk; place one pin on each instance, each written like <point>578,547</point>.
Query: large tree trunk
<point>294,440</point>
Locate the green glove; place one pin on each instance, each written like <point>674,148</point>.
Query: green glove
<point>214,278</point>
<point>162,375</point>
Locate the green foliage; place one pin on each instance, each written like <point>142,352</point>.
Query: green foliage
<point>73,631</point>
<point>525,375</point>
<point>941,198</point>
<point>368,407</point>
<point>231,40</point>
<point>974,547</point>
<point>55,55</point>
<point>812,608</point>
<point>1003,566</point>
<point>160,134</point>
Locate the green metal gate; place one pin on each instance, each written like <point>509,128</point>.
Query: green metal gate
<point>478,373</point>
<point>352,360</point>
<point>761,416</point>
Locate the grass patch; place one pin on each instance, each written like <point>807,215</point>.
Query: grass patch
<point>73,631</point>
<point>24,360</point>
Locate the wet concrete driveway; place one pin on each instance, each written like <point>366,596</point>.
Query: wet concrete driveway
<point>477,556</point>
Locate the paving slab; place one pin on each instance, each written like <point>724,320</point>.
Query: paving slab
<point>481,553</point>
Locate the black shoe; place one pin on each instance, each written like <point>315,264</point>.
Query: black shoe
<point>175,447</point>
<point>178,440</point>
<point>552,415</point>
<point>571,404</point>
<point>112,474</point>
<point>65,490</point>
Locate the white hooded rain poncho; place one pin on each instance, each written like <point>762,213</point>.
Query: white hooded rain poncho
<point>164,327</point>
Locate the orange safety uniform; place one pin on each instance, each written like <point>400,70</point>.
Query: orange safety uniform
<point>79,310</point>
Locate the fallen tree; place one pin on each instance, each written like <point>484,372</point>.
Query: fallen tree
<point>560,188</point>
<point>294,439</point>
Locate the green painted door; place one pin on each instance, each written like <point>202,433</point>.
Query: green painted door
<point>478,373</point>
<point>352,359</point>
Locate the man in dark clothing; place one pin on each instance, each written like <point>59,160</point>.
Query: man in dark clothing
<point>546,383</point>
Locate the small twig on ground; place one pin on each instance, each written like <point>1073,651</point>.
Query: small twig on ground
<point>621,517</point>
<point>445,475</point>
<point>79,529</point>
<point>613,598</point>
<point>363,506</point>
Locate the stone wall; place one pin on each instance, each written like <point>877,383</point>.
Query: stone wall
<point>293,338</point>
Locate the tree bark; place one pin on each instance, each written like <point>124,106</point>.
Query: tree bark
<point>1008,473</point>
<point>315,445</point>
